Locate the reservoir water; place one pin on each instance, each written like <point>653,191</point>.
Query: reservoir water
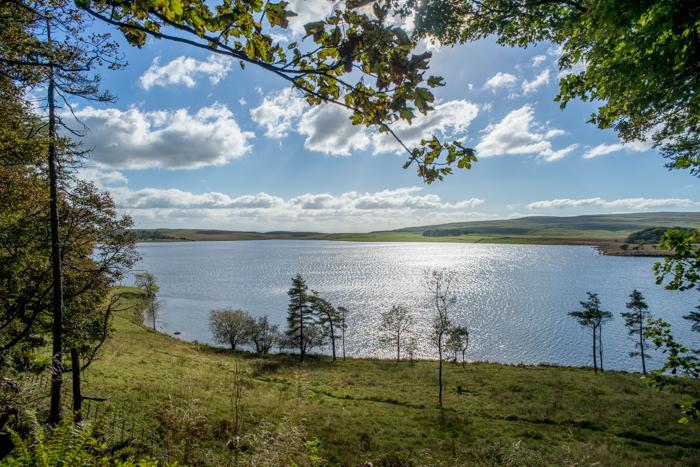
<point>513,298</point>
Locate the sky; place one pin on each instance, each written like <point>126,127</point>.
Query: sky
<point>194,141</point>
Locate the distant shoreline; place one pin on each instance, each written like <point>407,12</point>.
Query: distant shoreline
<point>604,247</point>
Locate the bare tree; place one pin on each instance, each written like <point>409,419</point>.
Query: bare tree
<point>440,284</point>
<point>395,324</point>
<point>152,310</point>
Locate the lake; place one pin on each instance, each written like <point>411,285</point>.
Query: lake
<point>513,298</point>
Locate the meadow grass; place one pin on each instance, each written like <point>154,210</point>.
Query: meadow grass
<point>380,411</point>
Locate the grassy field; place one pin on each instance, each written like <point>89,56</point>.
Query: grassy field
<point>354,411</point>
<point>608,231</point>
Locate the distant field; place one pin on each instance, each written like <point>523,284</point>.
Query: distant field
<point>607,230</point>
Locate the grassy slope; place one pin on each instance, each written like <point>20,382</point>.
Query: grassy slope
<point>600,229</point>
<point>365,410</point>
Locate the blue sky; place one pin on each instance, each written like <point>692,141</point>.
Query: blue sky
<point>194,141</point>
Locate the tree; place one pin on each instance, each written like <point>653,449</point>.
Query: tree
<point>301,326</point>
<point>146,281</point>
<point>262,334</point>
<point>680,270</point>
<point>153,309</point>
<point>440,284</point>
<point>593,317</point>
<point>230,326</point>
<point>343,312</point>
<point>635,321</point>
<point>394,324</point>
<point>458,342</point>
<point>638,61</point>
<point>679,367</point>
<point>328,319</point>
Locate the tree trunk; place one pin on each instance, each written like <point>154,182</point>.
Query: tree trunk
<point>343,339</point>
<point>55,414</point>
<point>77,393</point>
<point>440,370</point>
<point>398,347</point>
<point>600,347</point>
<point>233,344</point>
<point>301,328</point>
<point>641,344</point>
<point>595,356</point>
<point>332,339</point>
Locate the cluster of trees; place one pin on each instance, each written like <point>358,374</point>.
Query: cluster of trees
<point>237,327</point>
<point>312,322</point>
<point>638,321</point>
<point>62,243</point>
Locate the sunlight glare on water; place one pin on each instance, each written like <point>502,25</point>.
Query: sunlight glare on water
<point>513,298</point>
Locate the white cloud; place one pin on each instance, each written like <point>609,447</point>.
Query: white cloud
<point>242,102</point>
<point>538,82</point>
<point>328,130</point>
<point>605,149</point>
<point>538,60</point>
<point>185,70</point>
<point>517,134</point>
<point>500,80</point>
<point>449,118</point>
<point>319,211</point>
<point>170,139</point>
<point>102,178</point>
<point>308,11</point>
<point>623,203</point>
<point>277,112</point>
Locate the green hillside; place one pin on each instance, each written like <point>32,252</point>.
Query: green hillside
<point>600,230</point>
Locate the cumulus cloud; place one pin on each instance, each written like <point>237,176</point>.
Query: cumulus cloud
<point>449,118</point>
<point>605,149</point>
<point>500,80</point>
<point>177,139</point>
<point>308,11</point>
<point>328,129</point>
<point>350,210</point>
<point>185,71</point>
<point>538,60</point>
<point>623,203</point>
<point>102,178</point>
<point>539,81</point>
<point>277,112</point>
<point>517,134</point>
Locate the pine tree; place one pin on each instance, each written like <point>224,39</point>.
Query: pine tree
<point>300,318</point>
<point>635,321</point>
<point>328,318</point>
<point>593,317</point>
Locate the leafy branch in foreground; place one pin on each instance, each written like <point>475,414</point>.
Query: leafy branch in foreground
<point>638,62</point>
<point>680,366</point>
<point>356,58</point>
<point>681,270</point>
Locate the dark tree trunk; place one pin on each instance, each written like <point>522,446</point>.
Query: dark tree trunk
<point>332,339</point>
<point>302,347</point>
<point>55,413</point>
<point>440,370</point>
<point>595,356</point>
<point>343,339</point>
<point>641,344</point>
<point>600,347</point>
<point>77,393</point>
<point>398,347</point>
